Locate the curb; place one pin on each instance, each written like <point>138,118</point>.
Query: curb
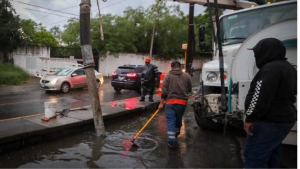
<point>32,130</point>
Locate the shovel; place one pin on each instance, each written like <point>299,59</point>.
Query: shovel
<point>63,113</point>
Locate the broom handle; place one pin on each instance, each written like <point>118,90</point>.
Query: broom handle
<point>146,124</point>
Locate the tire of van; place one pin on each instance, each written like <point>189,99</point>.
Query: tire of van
<point>204,122</point>
<point>117,89</point>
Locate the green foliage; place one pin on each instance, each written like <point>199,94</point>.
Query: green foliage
<point>44,38</point>
<point>71,34</point>
<point>132,32</point>
<point>10,33</point>
<point>35,34</point>
<point>12,75</point>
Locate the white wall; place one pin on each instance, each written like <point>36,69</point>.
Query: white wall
<point>109,64</point>
<point>25,57</point>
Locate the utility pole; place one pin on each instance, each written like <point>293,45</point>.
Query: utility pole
<point>100,22</point>
<point>89,64</point>
<point>152,39</point>
<point>191,40</point>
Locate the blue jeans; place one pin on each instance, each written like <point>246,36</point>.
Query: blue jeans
<point>174,113</point>
<point>263,149</point>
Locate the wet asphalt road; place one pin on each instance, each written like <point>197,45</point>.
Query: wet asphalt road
<point>30,102</point>
<point>197,148</point>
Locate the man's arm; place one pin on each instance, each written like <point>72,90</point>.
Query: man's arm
<point>165,87</point>
<point>155,70</point>
<point>162,103</point>
<point>265,89</point>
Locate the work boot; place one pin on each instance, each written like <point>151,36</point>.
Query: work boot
<point>151,100</point>
<point>172,145</point>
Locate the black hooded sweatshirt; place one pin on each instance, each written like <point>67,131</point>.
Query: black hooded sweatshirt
<point>271,96</point>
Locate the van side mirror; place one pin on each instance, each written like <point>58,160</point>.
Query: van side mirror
<point>74,74</point>
<point>201,37</point>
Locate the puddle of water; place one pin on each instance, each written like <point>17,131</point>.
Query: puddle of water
<point>197,148</point>
<point>88,151</point>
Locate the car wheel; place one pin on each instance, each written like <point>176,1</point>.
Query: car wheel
<point>205,122</point>
<point>117,89</point>
<point>97,84</point>
<point>65,87</point>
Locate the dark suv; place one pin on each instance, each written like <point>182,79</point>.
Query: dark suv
<point>127,77</point>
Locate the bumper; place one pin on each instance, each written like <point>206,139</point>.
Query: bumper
<point>125,85</point>
<point>49,86</point>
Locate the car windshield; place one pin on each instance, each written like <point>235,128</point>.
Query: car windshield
<point>63,72</point>
<point>235,28</point>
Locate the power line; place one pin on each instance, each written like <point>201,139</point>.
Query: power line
<point>45,8</point>
<point>56,22</point>
<point>59,10</point>
<point>47,12</point>
<point>54,12</point>
<point>111,5</point>
<point>91,11</point>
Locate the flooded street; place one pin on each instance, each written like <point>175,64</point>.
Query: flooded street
<point>197,148</point>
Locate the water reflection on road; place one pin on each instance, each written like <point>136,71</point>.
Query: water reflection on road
<point>197,148</point>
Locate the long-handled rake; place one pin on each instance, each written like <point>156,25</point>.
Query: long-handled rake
<point>142,129</point>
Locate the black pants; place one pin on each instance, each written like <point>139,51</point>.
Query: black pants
<point>148,89</point>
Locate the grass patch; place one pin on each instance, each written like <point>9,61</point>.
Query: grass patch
<point>12,75</point>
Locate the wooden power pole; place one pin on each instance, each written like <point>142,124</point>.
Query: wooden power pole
<point>89,64</point>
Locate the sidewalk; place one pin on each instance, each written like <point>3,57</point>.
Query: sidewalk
<point>21,132</point>
<point>31,84</point>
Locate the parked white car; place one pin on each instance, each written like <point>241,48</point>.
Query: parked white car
<point>68,78</point>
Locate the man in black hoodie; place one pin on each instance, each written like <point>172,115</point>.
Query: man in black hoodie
<point>269,105</point>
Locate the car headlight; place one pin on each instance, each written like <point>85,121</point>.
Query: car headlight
<point>53,81</point>
<point>212,77</point>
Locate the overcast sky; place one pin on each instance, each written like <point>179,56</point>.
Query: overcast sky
<point>31,9</point>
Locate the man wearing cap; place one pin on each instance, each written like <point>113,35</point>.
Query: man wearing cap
<point>148,78</point>
<point>269,105</point>
<point>174,97</point>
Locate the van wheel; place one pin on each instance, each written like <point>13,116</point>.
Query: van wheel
<point>204,122</point>
<point>65,87</point>
<point>117,89</point>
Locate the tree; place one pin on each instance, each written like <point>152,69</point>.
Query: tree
<point>71,34</point>
<point>56,32</point>
<point>10,32</point>
<point>35,34</point>
<point>44,38</point>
